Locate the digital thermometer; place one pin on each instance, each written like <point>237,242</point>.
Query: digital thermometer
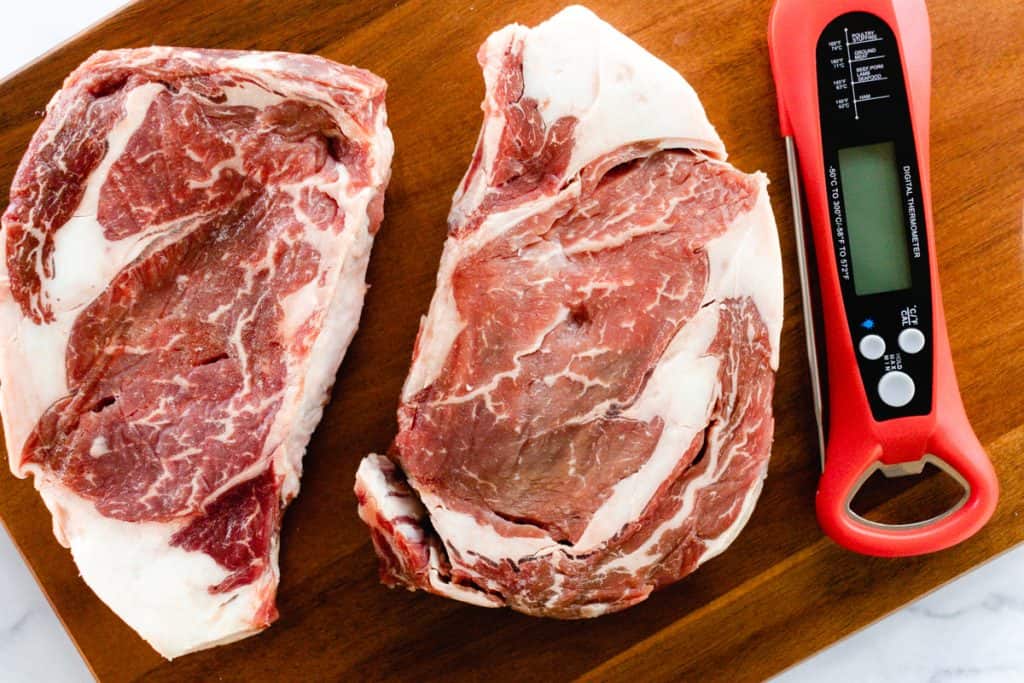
<point>853,85</point>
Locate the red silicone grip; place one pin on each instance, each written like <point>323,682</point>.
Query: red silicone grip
<point>960,451</point>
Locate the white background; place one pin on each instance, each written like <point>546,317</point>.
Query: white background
<point>970,631</point>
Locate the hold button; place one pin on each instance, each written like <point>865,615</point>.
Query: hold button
<point>896,389</point>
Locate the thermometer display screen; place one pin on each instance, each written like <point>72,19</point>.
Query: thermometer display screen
<point>873,200</point>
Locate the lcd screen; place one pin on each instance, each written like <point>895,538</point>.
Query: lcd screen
<point>873,201</point>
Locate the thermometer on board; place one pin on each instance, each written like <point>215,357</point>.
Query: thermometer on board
<point>853,79</point>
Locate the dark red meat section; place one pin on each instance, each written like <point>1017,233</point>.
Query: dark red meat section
<point>186,132</point>
<point>177,370</point>
<point>237,531</point>
<point>46,191</point>
<point>531,158</point>
<point>565,317</point>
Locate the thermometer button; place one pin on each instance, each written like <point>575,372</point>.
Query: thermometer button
<point>911,340</point>
<point>896,389</point>
<point>872,347</point>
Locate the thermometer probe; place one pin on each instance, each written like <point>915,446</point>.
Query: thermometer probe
<point>853,84</point>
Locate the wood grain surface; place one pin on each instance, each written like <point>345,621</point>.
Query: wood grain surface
<point>782,591</point>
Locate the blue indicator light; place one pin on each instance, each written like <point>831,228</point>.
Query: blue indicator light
<point>868,323</point>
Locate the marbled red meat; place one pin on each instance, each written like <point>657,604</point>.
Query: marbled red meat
<point>588,413</point>
<point>185,251</point>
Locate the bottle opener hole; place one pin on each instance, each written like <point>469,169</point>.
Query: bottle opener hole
<point>908,499</point>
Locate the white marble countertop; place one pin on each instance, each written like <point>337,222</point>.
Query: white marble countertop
<point>971,630</point>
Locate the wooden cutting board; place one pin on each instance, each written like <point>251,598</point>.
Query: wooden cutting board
<point>782,591</point>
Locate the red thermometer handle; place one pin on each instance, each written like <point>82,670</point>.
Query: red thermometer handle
<point>853,80</point>
<point>956,451</point>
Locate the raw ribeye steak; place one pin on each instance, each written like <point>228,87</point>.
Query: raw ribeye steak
<point>588,413</point>
<point>185,253</point>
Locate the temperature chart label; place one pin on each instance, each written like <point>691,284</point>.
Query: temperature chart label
<point>859,66</point>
